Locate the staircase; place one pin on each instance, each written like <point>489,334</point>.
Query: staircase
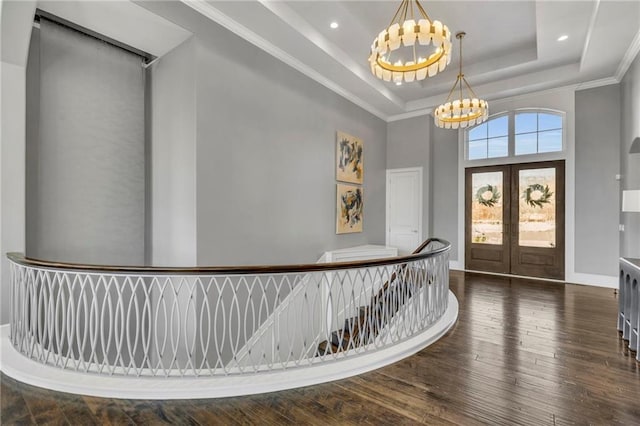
<point>372,318</point>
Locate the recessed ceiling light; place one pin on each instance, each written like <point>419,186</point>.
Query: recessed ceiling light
<point>334,25</point>
<point>398,83</point>
<point>563,37</point>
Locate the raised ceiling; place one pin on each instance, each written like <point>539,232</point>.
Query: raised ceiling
<point>511,47</point>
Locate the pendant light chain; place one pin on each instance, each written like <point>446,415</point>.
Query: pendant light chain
<point>460,75</point>
<point>462,112</point>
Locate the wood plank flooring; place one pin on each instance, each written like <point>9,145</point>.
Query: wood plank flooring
<point>522,352</point>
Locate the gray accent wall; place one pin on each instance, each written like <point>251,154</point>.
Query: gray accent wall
<point>597,190</point>
<point>265,139</point>
<point>173,158</point>
<point>416,142</point>
<point>408,145</point>
<point>15,32</point>
<point>630,163</point>
<point>444,186</point>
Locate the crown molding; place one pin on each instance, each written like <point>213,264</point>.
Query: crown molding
<point>597,83</point>
<point>410,114</point>
<point>628,57</point>
<point>575,87</point>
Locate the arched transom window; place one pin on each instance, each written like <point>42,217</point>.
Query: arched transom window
<point>514,134</point>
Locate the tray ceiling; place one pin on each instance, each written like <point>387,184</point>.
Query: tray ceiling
<point>511,47</point>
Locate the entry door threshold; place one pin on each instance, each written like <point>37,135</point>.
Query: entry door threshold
<point>517,276</point>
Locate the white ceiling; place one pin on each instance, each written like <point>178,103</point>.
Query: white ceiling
<point>511,47</point>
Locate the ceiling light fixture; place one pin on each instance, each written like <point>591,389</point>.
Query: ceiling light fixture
<point>462,112</point>
<point>390,62</point>
<point>334,25</point>
<point>563,37</point>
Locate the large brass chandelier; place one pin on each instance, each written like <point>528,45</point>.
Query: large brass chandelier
<point>462,112</point>
<point>396,52</point>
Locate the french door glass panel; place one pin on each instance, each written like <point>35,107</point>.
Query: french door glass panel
<point>537,208</point>
<point>487,208</point>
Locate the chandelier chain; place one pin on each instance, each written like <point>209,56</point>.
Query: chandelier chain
<point>453,88</point>
<point>469,87</point>
<point>403,4</point>
<point>423,12</point>
<point>459,36</point>
<point>462,112</point>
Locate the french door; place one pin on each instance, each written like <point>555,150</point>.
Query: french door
<point>514,219</point>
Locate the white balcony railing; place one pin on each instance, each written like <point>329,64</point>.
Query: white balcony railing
<point>192,322</point>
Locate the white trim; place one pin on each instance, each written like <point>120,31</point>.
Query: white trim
<point>387,228</point>
<point>456,265</point>
<point>597,83</point>
<point>587,39</point>
<point>19,367</point>
<point>217,16</point>
<point>594,280</point>
<point>573,86</point>
<point>410,114</point>
<point>628,57</point>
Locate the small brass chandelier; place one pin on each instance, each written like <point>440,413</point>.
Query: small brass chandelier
<point>462,112</point>
<point>389,62</point>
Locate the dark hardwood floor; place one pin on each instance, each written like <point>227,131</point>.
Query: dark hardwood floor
<point>522,352</point>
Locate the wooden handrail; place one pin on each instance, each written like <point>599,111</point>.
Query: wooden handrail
<point>19,258</point>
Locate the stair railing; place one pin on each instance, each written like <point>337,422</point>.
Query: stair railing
<point>371,319</point>
<point>192,322</point>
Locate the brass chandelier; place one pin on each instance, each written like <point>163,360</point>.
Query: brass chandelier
<point>462,112</point>
<point>389,62</point>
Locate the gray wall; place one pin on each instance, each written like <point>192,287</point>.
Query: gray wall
<point>266,159</point>
<point>409,145</point>
<point>32,148</point>
<point>630,163</point>
<point>416,142</point>
<point>15,33</point>
<point>444,186</point>
<point>173,158</point>
<point>597,191</point>
<point>265,153</point>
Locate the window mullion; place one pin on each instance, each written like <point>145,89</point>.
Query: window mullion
<point>511,138</point>
<point>537,133</point>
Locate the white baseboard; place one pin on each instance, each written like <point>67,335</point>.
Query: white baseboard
<point>456,265</point>
<point>594,280</point>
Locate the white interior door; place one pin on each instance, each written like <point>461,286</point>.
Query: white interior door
<point>404,209</point>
